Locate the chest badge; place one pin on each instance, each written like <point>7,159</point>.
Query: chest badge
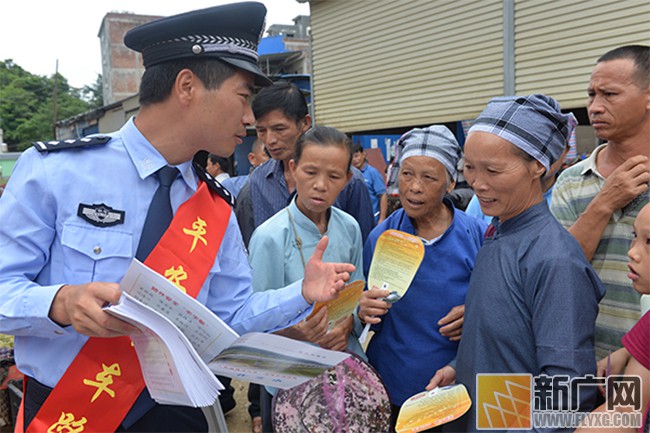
<point>100,215</point>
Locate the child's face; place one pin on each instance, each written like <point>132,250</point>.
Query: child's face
<point>639,252</point>
<point>320,175</point>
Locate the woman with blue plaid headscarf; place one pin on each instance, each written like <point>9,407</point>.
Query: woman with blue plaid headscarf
<point>533,297</point>
<point>420,332</point>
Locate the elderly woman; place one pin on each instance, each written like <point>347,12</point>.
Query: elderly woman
<point>410,340</point>
<point>533,297</point>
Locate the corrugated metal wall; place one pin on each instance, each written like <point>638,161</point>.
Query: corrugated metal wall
<point>396,64</point>
<point>387,63</point>
<point>558,42</point>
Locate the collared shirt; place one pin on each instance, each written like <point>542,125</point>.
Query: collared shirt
<point>620,308</point>
<point>266,193</point>
<point>531,306</point>
<point>277,258</point>
<point>221,177</point>
<point>376,187</point>
<point>234,184</point>
<point>45,244</point>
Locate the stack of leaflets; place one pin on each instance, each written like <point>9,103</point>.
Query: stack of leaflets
<point>182,345</point>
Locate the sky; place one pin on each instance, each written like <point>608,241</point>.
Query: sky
<point>37,33</point>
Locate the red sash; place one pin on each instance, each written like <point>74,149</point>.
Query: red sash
<point>104,380</point>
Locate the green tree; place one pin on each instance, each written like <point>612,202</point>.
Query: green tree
<point>94,93</point>
<point>27,104</point>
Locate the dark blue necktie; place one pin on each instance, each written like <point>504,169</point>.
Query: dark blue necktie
<point>158,218</point>
<point>159,215</point>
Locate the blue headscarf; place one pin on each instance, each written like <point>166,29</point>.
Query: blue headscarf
<point>533,123</point>
<point>435,141</point>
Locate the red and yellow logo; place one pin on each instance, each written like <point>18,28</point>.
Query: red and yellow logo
<point>503,401</point>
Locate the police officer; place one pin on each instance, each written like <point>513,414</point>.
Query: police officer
<point>74,215</point>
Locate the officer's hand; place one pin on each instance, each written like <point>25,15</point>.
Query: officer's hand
<point>337,338</point>
<point>322,280</point>
<point>452,323</point>
<point>371,305</point>
<point>81,306</point>
<point>628,181</point>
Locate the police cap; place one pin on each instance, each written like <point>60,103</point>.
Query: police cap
<point>229,32</point>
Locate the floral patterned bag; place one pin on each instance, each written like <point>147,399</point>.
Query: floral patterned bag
<point>349,397</point>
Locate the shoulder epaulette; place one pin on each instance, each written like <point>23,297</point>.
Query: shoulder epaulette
<point>214,184</point>
<point>52,145</point>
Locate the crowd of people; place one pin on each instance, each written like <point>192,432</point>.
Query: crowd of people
<point>543,278</point>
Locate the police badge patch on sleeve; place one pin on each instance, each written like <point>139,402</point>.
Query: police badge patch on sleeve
<point>100,215</point>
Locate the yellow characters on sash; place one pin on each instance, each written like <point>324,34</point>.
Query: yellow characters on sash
<point>103,379</point>
<point>198,230</point>
<point>176,275</point>
<point>67,424</point>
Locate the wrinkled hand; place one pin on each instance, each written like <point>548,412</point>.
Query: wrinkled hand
<point>322,280</point>
<point>625,183</point>
<point>312,329</point>
<point>337,337</point>
<point>371,306</point>
<point>81,306</point>
<point>452,323</point>
<point>443,377</point>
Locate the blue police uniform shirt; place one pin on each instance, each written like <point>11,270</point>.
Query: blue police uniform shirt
<point>45,245</point>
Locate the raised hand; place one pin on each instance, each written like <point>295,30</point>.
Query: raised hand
<point>625,183</point>
<point>323,281</point>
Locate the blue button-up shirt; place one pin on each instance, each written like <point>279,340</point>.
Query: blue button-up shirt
<point>45,244</point>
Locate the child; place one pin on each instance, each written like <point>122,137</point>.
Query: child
<point>636,350</point>
<point>280,246</point>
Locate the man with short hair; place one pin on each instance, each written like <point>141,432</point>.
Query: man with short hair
<point>374,182</point>
<point>599,198</point>
<point>282,116</point>
<point>71,227</point>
